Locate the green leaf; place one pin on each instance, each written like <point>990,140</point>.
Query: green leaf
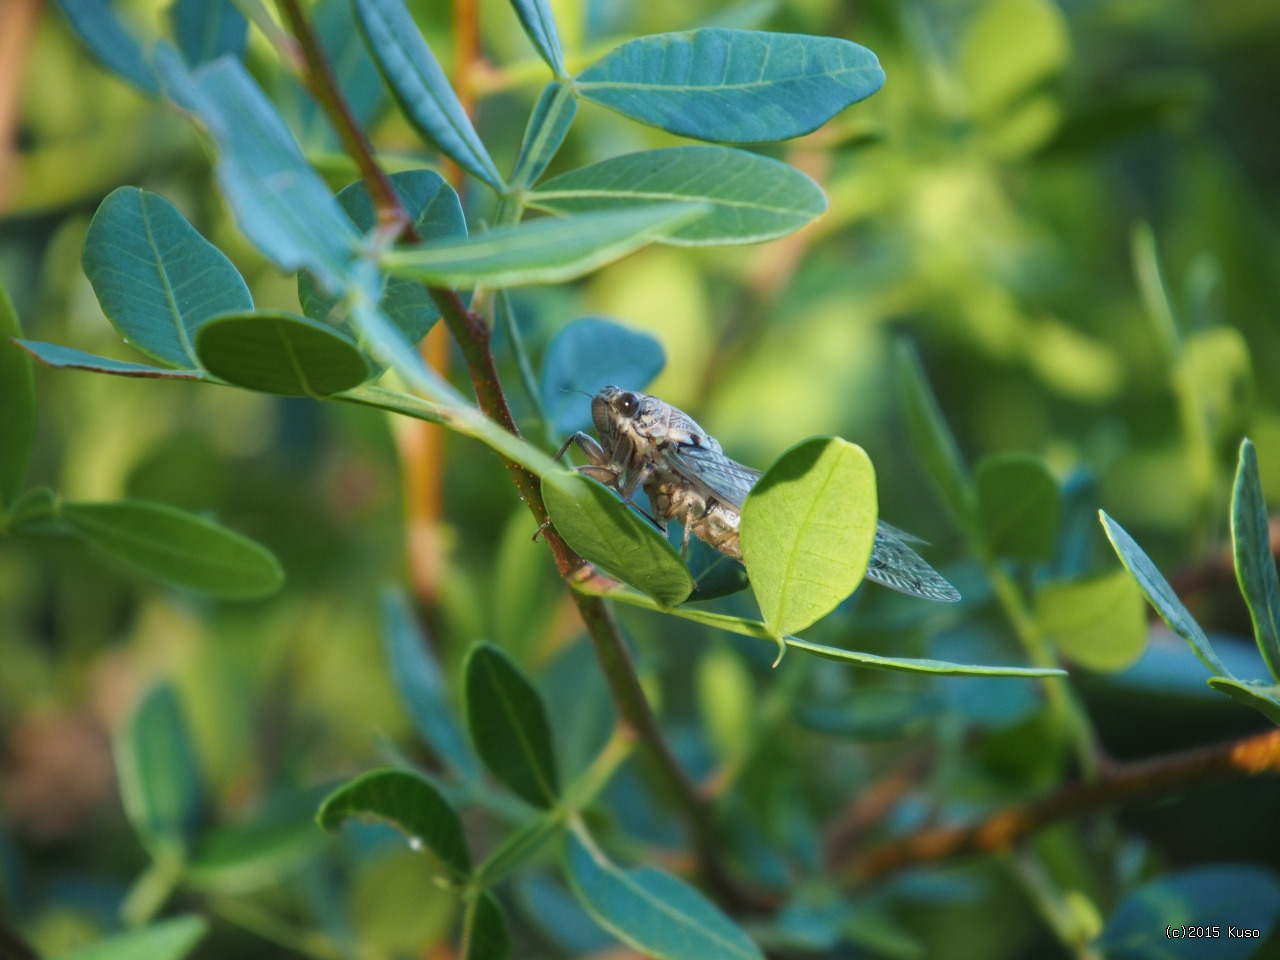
<point>409,802</point>
<point>808,525</point>
<point>540,26</point>
<point>1013,47</point>
<point>508,724</point>
<point>486,935</point>
<point>751,198</point>
<point>421,686</point>
<point>1156,300</point>
<point>177,547</point>
<point>421,88</point>
<point>17,404</point>
<point>69,358</point>
<point>247,857</point>
<point>436,214</point>
<point>1255,563</point>
<point>540,251</point>
<point>282,205</point>
<point>932,439</point>
<point>727,700</point>
<point>156,278</point>
<point>278,352</point>
<point>1261,697</point>
<point>589,354</point>
<point>1019,504</point>
<point>651,911</point>
<point>1160,595</point>
<point>170,939</point>
<point>733,86</point>
<point>353,68</point>
<point>602,529</point>
<point>1238,894</point>
<point>208,29</point>
<point>115,47</point>
<point>1099,622</point>
<point>545,132</point>
<point>159,779</point>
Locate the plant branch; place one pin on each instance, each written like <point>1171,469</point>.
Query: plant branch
<point>473,337</point>
<point>1128,782</point>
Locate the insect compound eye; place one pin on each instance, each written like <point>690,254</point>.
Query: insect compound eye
<point>628,404</point>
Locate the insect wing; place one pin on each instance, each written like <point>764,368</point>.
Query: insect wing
<point>894,564</point>
<point>727,479</point>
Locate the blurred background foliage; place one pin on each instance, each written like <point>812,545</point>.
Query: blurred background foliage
<point>984,202</point>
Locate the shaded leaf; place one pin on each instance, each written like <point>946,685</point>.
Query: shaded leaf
<point>1099,622</point>
<point>353,68</point>
<point>808,525</point>
<point>733,86</point>
<point>1019,504</point>
<point>177,547</point>
<point>750,198</point>
<point>156,278</point>
<point>421,88</point>
<point>486,934</point>
<point>115,47</point>
<point>69,358</point>
<point>540,27</point>
<point>539,251</point>
<point>208,29</point>
<point>1255,564</point>
<point>545,132</point>
<point>246,857</point>
<point>409,802</point>
<point>17,404</point>
<point>509,728</point>
<point>609,534</point>
<point>1265,698</point>
<point>170,939</point>
<point>589,354</point>
<point>279,352</point>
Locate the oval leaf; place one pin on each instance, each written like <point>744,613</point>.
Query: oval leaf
<point>540,26</point>
<point>589,354</point>
<point>208,29</point>
<point>808,526</point>
<point>733,86</point>
<point>421,88</point>
<point>69,358</point>
<point>540,251</point>
<point>156,278</point>
<point>486,934</point>
<point>17,404</point>
<point>1263,698</point>
<point>603,530</point>
<point>545,132</point>
<point>751,198</point>
<point>177,547</point>
<point>1255,563</point>
<point>167,940</point>
<point>115,47</point>
<point>278,352</point>
<point>652,911</point>
<point>1099,622</point>
<point>159,778</point>
<point>1019,504</point>
<point>409,802</point>
<point>509,728</point>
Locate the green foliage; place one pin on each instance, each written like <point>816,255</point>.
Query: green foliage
<point>589,354</point>
<point>116,47</point>
<point>17,405</point>
<point>1099,622</point>
<point>486,934</point>
<point>1019,505</point>
<point>168,940</point>
<point>1254,562</point>
<point>208,29</point>
<point>278,352</point>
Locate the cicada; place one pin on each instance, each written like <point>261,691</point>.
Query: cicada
<point>647,444</point>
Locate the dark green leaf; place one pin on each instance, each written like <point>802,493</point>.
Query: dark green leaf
<point>1019,504</point>
<point>17,404</point>
<point>651,911</point>
<point>355,71</point>
<point>1255,563</point>
<point>208,29</point>
<point>281,204</point>
<point>156,278</point>
<point>807,530</point>
<point>409,802</point>
<point>1244,896</point>
<point>170,939</point>
<point>436,214</point>
<point>278,352</point>
<point>421,686</point>
<point>603,530</point>
<point>540,251</point>
<point>714,574</point>
<point>70,358</point>
<point>421,88</point>
<point>177,547</point>
<point>1160,595</point>
<point>589,354</point>
<point>486,934</point>
<point>751,198</point>
<point>1099,622</point>
<point>540,26</point>
<point>733,86</point>
<point>159,778</point>
<point>115,47</point>
<point>1261,697</point>
<point>244,858</point>
<point>548,126</point>
<point>508,724</point>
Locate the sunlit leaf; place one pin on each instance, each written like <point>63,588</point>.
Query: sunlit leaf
<point>115,47</point>
<point>1265,698</point>
<point>732,86</point>
<point>170,939</point>
<point>540,27</point>
<point>807,530</point>
<point>547,127</point>
<point>1012,47</point>
<point>156,278</point>
<point>208,29</point>
<point>69,358</point>
<point>509,729</point>
<point>278,352</point>
<point>1019,504</point>
<point>486,935</point>
<point>409,802</point>
<point>1099,622</point>
<point>1254,561</point>
<point>751,198</point>
<point>590,354</point>
<point>17,404</point>
<point>727,699</point>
